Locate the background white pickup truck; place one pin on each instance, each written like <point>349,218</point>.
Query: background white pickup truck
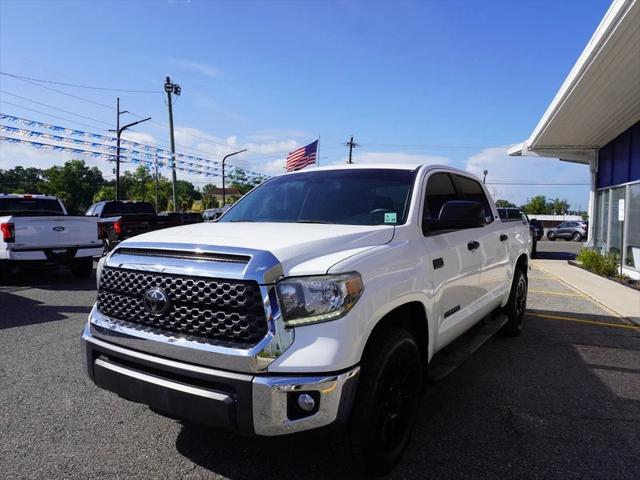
<point>37,232</point>
<point>327,296</point>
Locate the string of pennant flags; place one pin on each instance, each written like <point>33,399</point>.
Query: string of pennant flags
<point>139,153</point>
<point>124,152</point>
<point>101,155</point>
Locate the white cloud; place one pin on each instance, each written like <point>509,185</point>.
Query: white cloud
<point>393,157</point>
<point>530,170</point>
<point>200,67</point>
<point>139,137</point>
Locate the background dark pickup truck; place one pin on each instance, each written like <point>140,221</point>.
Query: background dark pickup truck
<point>122,220</point>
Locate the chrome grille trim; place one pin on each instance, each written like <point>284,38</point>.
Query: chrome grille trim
<point>201,309</point>
<point>185,255</point>
<point>264,268</point>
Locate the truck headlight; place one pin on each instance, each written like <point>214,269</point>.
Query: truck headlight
<point>321,298</point>
<point>99,270</point>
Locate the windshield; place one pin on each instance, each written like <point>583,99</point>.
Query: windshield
<point>30,207</point>
<point>347,197</point>
<point>113,209</point>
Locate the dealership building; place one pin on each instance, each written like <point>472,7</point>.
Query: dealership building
<point>594,119</point>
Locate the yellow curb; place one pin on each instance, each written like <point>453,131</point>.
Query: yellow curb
<point>590,322</point>
<point>586,295</point>
<point>557,293</point>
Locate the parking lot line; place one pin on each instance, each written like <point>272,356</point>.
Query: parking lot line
<point>547,292</point>
<point>578,320</point>
<point>595,302</point>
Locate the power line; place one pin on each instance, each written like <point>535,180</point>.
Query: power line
<point>109,107</point>
<point>537,184</point>
<point>75,85</point>
<point>54,108</point>
<point>52,115</point>
<point>426,146</point>
<point>103,105</point>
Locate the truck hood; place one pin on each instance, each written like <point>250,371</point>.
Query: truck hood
<point>301,248</point>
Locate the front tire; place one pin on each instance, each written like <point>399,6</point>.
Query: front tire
<point>577,237</point>
<point>516,306</point>
<point>551,236</point>
<point>387,401</point>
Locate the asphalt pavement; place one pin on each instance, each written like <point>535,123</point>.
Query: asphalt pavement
<point>560,401</point>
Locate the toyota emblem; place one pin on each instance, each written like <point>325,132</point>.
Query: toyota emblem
<point>156,301</point>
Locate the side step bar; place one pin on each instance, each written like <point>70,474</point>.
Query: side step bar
<point>454,354</point>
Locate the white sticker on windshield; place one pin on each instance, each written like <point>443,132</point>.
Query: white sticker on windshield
<point>390,217</point>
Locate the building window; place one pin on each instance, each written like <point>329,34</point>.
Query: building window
<point>632,240</point>
<point>602,225</point>
<point>614,228</point>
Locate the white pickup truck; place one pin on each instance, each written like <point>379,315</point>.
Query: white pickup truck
<point>327,296</point>
<point>36,231</point>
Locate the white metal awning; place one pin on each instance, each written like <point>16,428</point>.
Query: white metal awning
<point>600,98</point>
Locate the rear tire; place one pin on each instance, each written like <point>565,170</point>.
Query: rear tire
<point>387,401</point>
<point>82,267</point>
<point>577,237</point>
<point>551,236</point>
<point>516,306</point>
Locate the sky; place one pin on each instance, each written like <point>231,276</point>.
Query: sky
<point>447,82</point>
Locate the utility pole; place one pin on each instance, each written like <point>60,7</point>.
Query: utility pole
<point>351,144</point>
<point>172,88</point>
<point>118,149</point>
<point>484,179</point>
<point>119,131</point>
<point>156,182</point>
<point>223,184</point>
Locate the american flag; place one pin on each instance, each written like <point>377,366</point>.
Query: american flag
<point>302,157</point>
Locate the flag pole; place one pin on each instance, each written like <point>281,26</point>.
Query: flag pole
<point>318,153</point>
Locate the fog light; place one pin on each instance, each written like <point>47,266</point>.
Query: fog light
<point>306,402</point>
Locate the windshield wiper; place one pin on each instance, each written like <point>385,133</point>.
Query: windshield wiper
<point>312,221</point>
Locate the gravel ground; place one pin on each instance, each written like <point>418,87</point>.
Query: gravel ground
<point>560,401</point>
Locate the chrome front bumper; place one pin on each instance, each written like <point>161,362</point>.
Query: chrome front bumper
<point>246,403</point>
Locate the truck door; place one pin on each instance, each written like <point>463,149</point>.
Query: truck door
<point>454,265</point>
<point>494,243</point>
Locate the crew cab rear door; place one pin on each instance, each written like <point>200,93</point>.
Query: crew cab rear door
<point>493,239</point>
<point>453,264</point>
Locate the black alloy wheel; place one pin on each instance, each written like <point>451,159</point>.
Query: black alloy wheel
<point>387,401</point>
<point>516,307</point>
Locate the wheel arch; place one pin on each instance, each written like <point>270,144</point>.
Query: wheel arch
<point>522,264</point>
<point>411,317</point>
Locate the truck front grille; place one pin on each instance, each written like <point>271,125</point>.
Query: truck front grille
<point>227,312</point>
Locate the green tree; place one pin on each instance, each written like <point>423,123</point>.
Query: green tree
<point>208,200</point>
<point>536,205</point>
<point>21,180</point>
<point>244,182</point>
<point>106,192</point>
<point>504,204</point>
<point>74,182</point>
<point>557,206</point>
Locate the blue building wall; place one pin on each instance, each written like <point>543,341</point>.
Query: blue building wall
<point>619,160</point>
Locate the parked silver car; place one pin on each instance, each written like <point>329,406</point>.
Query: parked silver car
<point>576,231</point>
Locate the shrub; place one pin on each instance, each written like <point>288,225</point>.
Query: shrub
<point>602,264</point>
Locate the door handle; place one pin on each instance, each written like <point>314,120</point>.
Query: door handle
<point>503,237</point>
<point>473,245</point>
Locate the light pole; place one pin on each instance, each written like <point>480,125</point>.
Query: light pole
<point>119,131</point>
<point>172,88</point>
<point>224,160</point>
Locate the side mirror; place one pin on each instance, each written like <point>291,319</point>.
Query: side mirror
<point>456,215</point>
